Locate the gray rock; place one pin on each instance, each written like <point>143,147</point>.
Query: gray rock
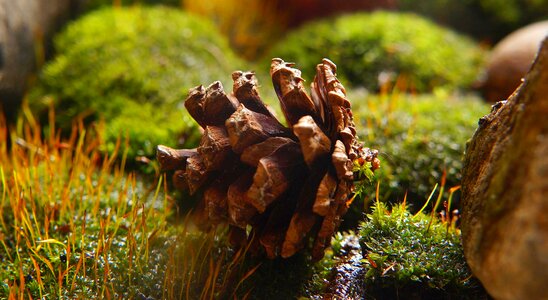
<point>26,26</point>
<point>505,192</point>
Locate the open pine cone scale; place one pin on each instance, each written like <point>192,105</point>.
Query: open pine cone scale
<point>286,183</point>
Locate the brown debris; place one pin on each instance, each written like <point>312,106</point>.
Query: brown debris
<point>287,184</point>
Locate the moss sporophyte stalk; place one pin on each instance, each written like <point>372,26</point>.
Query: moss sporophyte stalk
<point>400,253</point>
<point>402,250</point>
<point>75,225</point>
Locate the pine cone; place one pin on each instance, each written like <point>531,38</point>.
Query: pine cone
<point>287,183</point>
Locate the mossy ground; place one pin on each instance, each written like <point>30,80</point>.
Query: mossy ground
<point>373,49</point>
<point>414,254</point>
<point>132,67</point>
<point>421,141</point>
<point>408,256</point>
<point>75,224</point>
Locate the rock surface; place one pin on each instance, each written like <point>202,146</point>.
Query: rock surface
<point>348,281</point>
<point>25,28</point>
<point>510,60</point>
<point>505,190</point>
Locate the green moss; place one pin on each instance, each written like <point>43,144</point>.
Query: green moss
<point>419,138</point>
<point>365,46</point>
<point>413,253</point>
<point>419,256</point>
<point>132,67</point>
<point>74,226</point>
<point>73,255</point>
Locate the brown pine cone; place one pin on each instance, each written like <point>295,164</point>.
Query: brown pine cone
<point>286,183</point>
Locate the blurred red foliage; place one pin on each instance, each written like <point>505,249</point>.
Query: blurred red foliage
<point>305,10</point>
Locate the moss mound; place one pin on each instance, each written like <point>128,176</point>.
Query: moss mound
<point>370,47</point>
<point>419,138</point>
<point>132,67</point>
<point>396,253</point>
<point>414,255</point>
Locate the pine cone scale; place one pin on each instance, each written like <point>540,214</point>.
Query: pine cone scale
<point>173,159</point>
<point>245,90</point>
<point>196,174</point>
<point>274,232</point>
<point>343,165</point>
<point>216,202</point>
<point>240,211</point>
<point>304,218</point>
<point>289,87</point>
<point>214,147</point>
<point>246,128</point>
<point>325,195</point>
<point>273,176</point>
<point>315,145</point>
<point>254,153</point>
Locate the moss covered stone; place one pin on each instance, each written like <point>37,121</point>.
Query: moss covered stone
<point>395,253</point>
<point>370,48</point>
<point>132,67</point>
